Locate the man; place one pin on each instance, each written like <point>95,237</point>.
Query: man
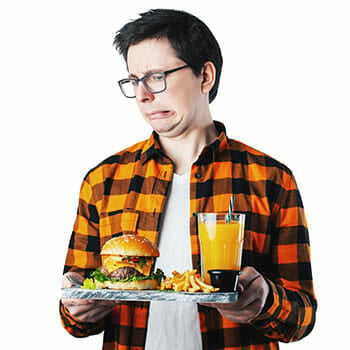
<point>189,165</point>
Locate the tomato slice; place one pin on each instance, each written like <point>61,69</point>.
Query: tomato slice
<point>135,259</point>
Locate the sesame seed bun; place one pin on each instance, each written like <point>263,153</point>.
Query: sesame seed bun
<point>130,245</point>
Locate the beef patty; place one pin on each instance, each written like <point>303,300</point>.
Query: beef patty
<point>124,272</point>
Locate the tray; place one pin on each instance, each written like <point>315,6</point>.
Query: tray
<point>148,295</point>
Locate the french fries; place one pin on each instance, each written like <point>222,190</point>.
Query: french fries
<point>189,281</point>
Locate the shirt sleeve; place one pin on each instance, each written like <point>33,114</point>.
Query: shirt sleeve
<point>290,312</point>
<point>84,248</point>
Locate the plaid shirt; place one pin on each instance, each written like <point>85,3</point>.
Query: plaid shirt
<point>126,193</point>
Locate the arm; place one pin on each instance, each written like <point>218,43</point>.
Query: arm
<point>281,303</point>
<point>82,318</point>
<point>290,315</point>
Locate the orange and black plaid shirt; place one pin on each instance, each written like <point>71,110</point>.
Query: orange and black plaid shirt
<point>126,194</point>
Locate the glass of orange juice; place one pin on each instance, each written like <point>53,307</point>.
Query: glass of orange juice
<point>221,242</point>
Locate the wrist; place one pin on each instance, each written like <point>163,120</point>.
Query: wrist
<point>268,301</point>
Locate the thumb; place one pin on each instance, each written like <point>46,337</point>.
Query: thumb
<point>66,283</point>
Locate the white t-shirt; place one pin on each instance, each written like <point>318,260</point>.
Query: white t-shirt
<point>174,325</point>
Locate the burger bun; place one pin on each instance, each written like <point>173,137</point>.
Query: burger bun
<point>133,285</point>
<point>130,245</point>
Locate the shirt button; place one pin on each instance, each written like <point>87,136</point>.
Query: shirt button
<point>197,175</point>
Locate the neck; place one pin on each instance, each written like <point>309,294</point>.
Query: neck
<point>184,149</point>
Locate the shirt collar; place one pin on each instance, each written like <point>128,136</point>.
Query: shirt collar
<point>221,142</point>
<point>152,147</point>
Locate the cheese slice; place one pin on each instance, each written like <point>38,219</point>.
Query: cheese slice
<point>114,262</point>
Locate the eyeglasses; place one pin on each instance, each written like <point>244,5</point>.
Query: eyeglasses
<point>154,82</point>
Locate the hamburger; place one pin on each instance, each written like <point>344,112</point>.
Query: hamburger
<point>128,263</point>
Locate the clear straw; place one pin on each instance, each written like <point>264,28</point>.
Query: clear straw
<point>230,208</point>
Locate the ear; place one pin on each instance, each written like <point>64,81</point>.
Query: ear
<point>208,74</point>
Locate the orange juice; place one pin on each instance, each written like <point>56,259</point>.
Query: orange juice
<point>221,243</point>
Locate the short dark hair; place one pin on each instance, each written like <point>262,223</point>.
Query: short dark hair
<point>191,39</point>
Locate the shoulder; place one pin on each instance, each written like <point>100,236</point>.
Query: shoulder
<point>109,166</point>
<point>259,164</point>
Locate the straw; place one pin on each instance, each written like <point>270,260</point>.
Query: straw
<point>230,208</point>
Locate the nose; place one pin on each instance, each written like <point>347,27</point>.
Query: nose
<point>142,94</point>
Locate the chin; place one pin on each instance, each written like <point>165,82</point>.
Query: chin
<point>168,128</point>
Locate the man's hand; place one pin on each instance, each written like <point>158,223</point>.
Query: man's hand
<point>253,294</point>
<point>86,310</point>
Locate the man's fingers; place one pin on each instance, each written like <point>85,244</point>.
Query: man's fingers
<point>251,300</point>
<point>90,302</point>
<point>248,275</point>
<point>73,302</point>
<point>66,283</point>
<point>98,316</point>
<point>250,294</point>
<point>245,315</point>
<point>87,310</point>
<point>102,302</point>
<point>90,315</point>
<point>209,304</point>
<point>81,309</point>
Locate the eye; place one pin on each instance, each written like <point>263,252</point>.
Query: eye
<point>156,77</point>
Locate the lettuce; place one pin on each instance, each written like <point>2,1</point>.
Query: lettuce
<point>158,275</point>
<point>101,277</point>
<point>88,284</point>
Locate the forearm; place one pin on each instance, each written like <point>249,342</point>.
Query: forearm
<point>290,315</point>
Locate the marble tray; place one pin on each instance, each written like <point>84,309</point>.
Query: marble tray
<point>148,295</point>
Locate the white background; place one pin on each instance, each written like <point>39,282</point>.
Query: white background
<point>285,91</point>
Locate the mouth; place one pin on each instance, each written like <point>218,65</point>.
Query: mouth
<point>158,114</point>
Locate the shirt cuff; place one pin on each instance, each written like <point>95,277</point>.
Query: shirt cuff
<point>271,308</point>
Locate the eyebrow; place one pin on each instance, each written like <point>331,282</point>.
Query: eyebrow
<point>131,75</point>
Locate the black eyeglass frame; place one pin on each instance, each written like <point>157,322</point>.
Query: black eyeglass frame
<point>137,80</point>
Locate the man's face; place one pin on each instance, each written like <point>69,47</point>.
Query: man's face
<point>177,109</point>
